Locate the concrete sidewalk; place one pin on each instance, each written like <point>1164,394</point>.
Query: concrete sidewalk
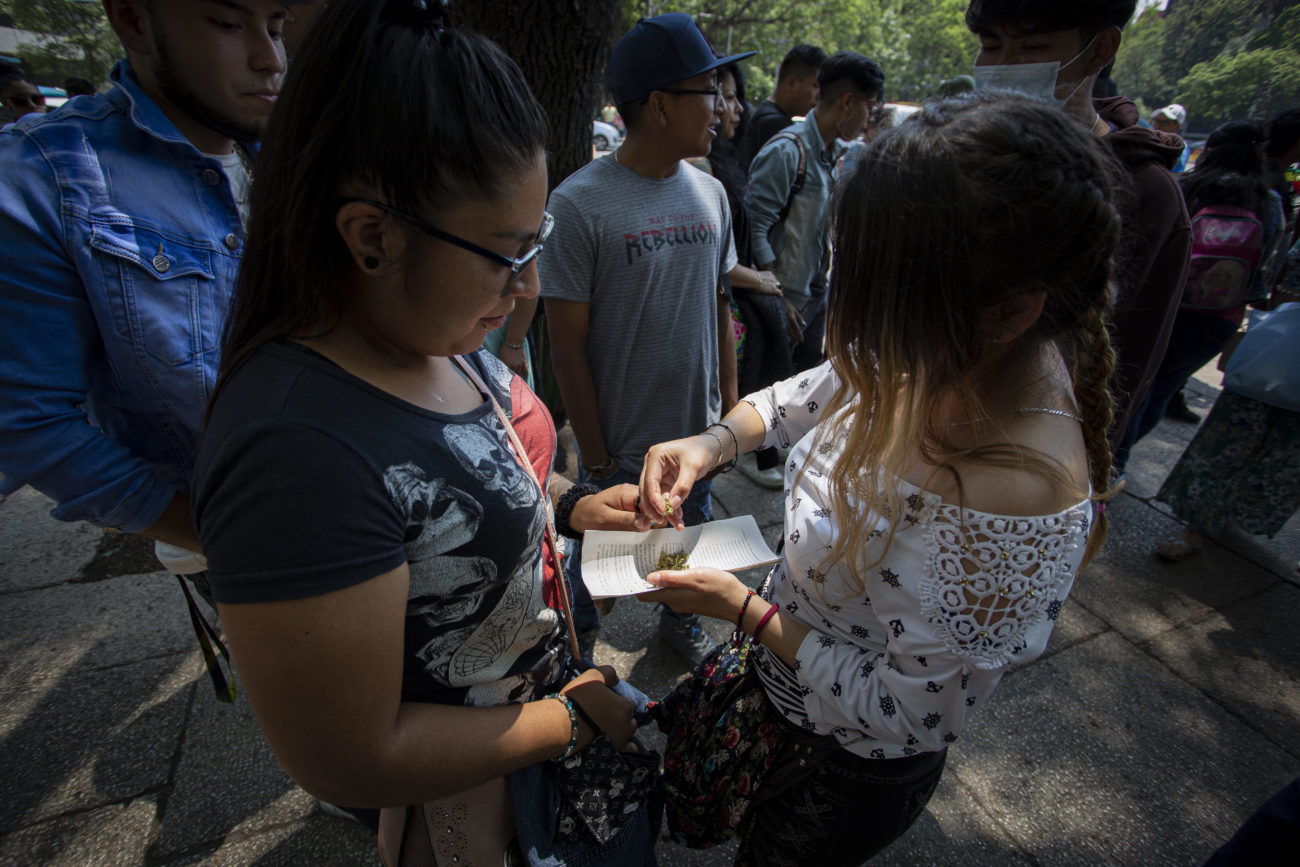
<point>1164,712</point>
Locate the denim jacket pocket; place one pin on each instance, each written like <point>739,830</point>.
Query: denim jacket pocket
<point>159,287</point>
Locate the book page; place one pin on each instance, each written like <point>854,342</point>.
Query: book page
<point>615,563</point>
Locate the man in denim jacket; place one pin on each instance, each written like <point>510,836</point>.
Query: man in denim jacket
<point>122,216</point>
<point>793,243</point>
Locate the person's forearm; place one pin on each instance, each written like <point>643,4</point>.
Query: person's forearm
<point>473,745</point>
<point>727,376</point>
<point>744,277</point>
<point>521,319</point>
<point>782,634</point>
<point>176,526</point>
<point>747,425</point>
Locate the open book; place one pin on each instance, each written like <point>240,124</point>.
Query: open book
<point>615,563</point>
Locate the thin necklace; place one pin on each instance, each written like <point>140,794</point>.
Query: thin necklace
<point>1021,411</point>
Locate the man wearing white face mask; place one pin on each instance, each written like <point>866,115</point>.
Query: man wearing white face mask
<point>1055,50</point>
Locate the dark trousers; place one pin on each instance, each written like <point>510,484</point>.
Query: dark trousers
<point>1196,338</point>
<point>845,812</point>
<point>808,352</point>
<point>1267,836</point>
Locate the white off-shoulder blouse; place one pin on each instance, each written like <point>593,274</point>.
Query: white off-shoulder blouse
<point>960,595</point>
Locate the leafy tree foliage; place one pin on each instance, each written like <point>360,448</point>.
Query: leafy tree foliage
<point>1254,84</point>
<point>918,43</point>
<point>1222,59</point>
<point>86,45</point>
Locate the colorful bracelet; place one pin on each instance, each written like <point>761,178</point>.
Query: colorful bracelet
<point>744,606</point>
<point>573,725</point>
<point>762,621</point>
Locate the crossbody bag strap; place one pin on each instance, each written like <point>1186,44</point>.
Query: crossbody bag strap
<point>473,375</point>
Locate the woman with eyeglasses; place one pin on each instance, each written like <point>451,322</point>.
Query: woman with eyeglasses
<point>367,490</point>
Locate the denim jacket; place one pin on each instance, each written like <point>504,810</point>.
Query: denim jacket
<point>121,246</point>
<point>795,244</point>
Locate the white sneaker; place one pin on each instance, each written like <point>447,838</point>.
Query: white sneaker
<point>772,478</point>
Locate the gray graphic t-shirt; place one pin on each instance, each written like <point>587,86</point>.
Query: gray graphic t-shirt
<point>647,255</point>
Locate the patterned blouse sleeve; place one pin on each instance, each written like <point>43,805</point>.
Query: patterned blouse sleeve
<point>990,592</point>
<point>793,407</point>
<point>872,692</point>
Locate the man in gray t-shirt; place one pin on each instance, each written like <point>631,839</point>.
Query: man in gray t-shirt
<point>633,278</point>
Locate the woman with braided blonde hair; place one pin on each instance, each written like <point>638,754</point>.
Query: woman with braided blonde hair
<point>948,463</point>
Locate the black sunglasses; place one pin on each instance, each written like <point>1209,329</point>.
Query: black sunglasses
<point>515,264</point>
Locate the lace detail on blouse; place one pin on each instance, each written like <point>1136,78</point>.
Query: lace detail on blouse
<point>991,578</point>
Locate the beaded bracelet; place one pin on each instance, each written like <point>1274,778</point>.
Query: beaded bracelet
<point>564,508</point>
<point>573,725</point>
<point>744,606</point>
<point>508,345</point>
<point>762,621</point>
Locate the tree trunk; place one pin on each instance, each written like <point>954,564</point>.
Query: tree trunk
<point>563,48</point>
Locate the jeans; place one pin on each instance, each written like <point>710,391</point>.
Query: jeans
<point>845,812</point>
<point>697,509</point>
<point>1196,338</point>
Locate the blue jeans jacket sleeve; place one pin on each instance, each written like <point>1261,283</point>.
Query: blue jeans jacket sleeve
<point>52,348</point>
<point>771,176</point>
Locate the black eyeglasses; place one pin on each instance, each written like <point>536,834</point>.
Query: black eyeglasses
<point>516,264</point>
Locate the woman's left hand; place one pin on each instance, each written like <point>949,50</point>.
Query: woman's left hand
<point>703,590</point>
<point>614,508</point>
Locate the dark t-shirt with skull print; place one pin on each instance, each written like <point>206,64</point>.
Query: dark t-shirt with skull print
<point>310,480</point>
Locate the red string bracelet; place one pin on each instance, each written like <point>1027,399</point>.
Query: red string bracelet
<point>762,621</point>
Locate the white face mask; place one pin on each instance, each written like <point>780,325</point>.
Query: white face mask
<point>1033,79</point>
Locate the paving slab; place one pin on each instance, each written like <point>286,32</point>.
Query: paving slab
<point>1100,755</point>
<point>318,840</point>
<point>49,631</point>
<point>89,738</point>
<point>1141,595</point>
<point>35,549</point>
<point>114,836</point>
<point>227,782</point>
<point>1247,658</point>
<point>954,829</point>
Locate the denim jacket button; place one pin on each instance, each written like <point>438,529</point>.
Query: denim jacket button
<point>232,242</point>
<point>211,177</point>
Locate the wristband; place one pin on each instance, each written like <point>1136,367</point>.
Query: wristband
<point>744,606</point>
<point>508,345</point>
<point>564,508</point>
<point>573,725</point>
<point>762,621</point>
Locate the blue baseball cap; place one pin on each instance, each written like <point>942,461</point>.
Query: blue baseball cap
<point>657,52</point>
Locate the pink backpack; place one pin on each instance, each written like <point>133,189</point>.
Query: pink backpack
<point>1227,244</point>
